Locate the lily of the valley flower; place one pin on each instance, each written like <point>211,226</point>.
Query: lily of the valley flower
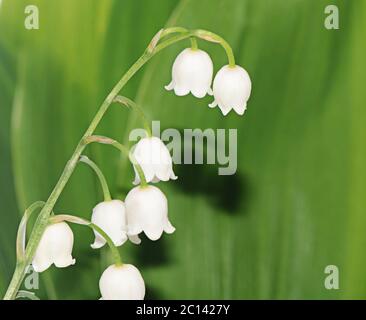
<point>155,160</point>
<point>122,283</point>
<point>110,216</point>
<point>231,89</point>
<point>192,72</point>
<point>55,247</point>
<point>147,211</point>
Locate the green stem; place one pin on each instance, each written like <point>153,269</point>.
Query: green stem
<point>194,45</point>
<point>81,221</point>
<point>139,170</point>
<point>129,103</point>
<point>205,35</point>
<point>99,173</point>
<point>171,30</point>
<point>212,37</point>
<point>124,150</point>
<point>116,256</point>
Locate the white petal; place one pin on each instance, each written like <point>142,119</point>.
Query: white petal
<point>199,92</point>
<point>168,228</point>
<point>122,283</point>
<point>181,90</point>
<point>63,261</point>
<point>134,239</point>
<point>213,104</point>
<point>153,232</point>
<point>134,227</point>
<point>173,176</point>
<point>224,109</point>
<point>98,242</point>
<point>240,109</point>
<point>170,86</point>
<point>41,263</point>
<point>110,216</point>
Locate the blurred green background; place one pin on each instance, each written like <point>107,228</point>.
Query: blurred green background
<point>297,202</point>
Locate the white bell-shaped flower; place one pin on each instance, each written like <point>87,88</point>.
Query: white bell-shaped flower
<point>192,72</point>
<point>110,216</point>
<point>155,160</point>
<point>55,247</point>
<point>147,211</point>
<point>122,283</point>
<point>231,89</point>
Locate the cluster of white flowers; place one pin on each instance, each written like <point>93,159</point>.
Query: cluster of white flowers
<point>145,210</point>
<point>192,72</point>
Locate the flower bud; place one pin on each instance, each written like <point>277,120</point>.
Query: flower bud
<point>55,247</point>
<point>231,89</point>
<point>122,283</point>
<point>155,160</point>
<point>147,211</point>
<point>192,72</point>
<point>110,216</point>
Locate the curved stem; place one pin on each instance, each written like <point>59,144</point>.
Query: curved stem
<point>131,104</point>
<point>213,37</point>
<point>205,35</point>
<point>168,31</point>
<point>124,150</point>
<point>22,229</point>
<point>137,166</point>
<point>100,175</point>
<point>81,221</point>
<point>115,252</point>
<point>42,220</point>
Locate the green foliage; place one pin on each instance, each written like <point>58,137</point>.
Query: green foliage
<point>295,205</point>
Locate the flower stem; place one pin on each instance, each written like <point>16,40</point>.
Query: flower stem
<point>194,45</point>
<point>99,173</point>
<point>212,37</point>
<point>116,256</point>
<point>138,168</point>
<point>124,150</point>
<point>129,103</point>
<point>171,30</point>
<point>205,35</point>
